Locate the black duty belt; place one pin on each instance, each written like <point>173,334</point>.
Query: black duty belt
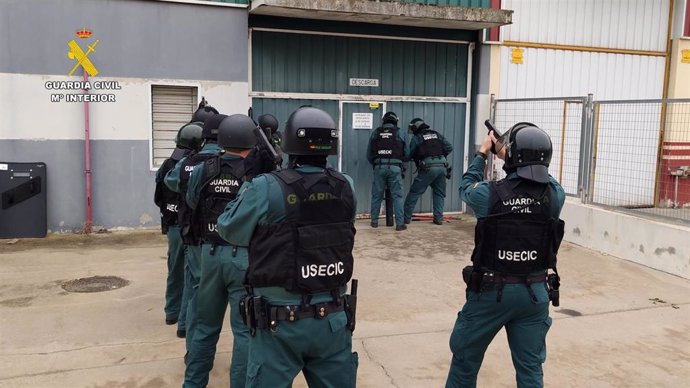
<point>293,313</point>
<point>257,314</point>
<point>512,279</point>
<point>493,280</point>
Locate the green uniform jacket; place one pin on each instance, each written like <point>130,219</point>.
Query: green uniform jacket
<point>261,202</point>
<point>474,191</point>
<point>172,179</point>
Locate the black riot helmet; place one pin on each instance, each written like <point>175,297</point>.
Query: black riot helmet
<point>390,118</point>
<point>189,136</point>
<point>204,111</point>
<point>417,125</point>
<point>310,131</point>
<point>237,131</point>
<point>528,149</point>
<point>268,123</point>
<point>211,125</point>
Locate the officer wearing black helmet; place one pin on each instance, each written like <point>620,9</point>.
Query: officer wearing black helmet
<point>212,185</point>
<point>177,180</point>
<point>517,237</point>
<point>429,150</point>
<point>204,111</point>
<point>387,151</point>
<point>261,159</point>
<point>270,125</point>
<point>188,140</point>
<point>299,226</point>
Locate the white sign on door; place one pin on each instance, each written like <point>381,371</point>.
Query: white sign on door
<point>374,83</point>
<point>362,121</point>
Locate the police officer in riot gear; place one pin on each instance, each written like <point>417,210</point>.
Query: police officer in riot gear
<point>188,140</point>
<point>429,150</point>
<point>299,226</point>
<point>517,237</point>
<point>177,180</point>
<point>204,111</point>
<point>269,124</point>
<point>212,185</point>
<point>261,159</point>
<point>387,151</point>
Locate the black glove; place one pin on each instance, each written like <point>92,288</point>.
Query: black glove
<point>259,161</point>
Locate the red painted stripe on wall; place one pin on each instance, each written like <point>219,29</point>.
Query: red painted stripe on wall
<point>495,32</point>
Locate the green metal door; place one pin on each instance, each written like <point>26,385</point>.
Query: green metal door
<point>283,107</point>
<point>358,120</point>
<point>415,78</point>
<point>449,120</point>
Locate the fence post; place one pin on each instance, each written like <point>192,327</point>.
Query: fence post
<point>490,159</point>
<point>586,148</point>
<point>660,152</point>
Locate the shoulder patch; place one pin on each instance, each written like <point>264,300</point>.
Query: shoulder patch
<point>474,186</point>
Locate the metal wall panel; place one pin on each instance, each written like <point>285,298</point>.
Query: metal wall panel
<point>621,24</point>
<point>305,63</point>
<point>156,41</point>
<point>447,118</point>
<point>553,73</point>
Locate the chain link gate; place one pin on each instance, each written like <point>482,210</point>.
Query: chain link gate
<point>629,155</point>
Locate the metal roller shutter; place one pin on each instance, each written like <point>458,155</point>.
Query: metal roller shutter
<point>171,108</point>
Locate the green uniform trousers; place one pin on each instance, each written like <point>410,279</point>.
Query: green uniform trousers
<point>435,177</point>
<point>175,304</point>
<point>482,317</point>
<point>222,275</point>
<point>192,272</point>
<point>320,348</point>
<point>390,176</point>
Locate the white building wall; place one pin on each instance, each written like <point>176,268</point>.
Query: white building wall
<point>621,24</point>
<point>127,119</point>
<point>577,25</point>
<point>560,73</point>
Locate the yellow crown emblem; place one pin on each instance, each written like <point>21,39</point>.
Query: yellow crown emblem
<point>84,33</point>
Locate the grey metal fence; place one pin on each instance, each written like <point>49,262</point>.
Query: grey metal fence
<point>628,155</point>
<point>562,118</point>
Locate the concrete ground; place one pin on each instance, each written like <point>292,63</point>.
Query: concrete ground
<point>619,325</point>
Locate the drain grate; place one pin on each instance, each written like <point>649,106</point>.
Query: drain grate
<point>95,284</point>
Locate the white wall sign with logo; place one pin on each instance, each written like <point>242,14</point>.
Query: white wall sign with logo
<point>362,121</point>
<point>364,82</point>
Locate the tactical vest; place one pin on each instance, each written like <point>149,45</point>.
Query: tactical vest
<point>431,145</point>
<point>311,251</point>
<point>186,217</point>
<point>387,145</point>
<point>166,199</point>
<point>221,180</point>
<point>519,236</point>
